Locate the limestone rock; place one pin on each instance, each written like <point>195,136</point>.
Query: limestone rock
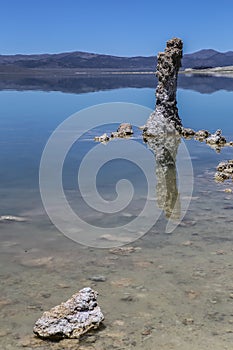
<point>102,138</point>
<point>201,135</point>
<point>72,318</point>
<point>114,134</point>
<point>216,138</point>
<point>224,171</point>
<point>165,117</point>
<point>125,129</point>
<point>226,166</point>
<point>187,132</point>
<point>220,177</point>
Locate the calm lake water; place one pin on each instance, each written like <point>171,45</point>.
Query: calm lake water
<point>170,291</point>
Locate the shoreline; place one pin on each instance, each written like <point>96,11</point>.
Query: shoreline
<point>226,71</point>
<point>216,72</point>
<point>73,72</point>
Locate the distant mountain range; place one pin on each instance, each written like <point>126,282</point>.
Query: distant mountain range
<point>77,60</point>
<point>89,61</point>
<point>207,59</point>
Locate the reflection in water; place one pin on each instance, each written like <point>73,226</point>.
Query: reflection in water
<point>165,150</point>
<point>99,82</point>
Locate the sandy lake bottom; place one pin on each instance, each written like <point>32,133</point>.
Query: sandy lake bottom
<point>163,291</point>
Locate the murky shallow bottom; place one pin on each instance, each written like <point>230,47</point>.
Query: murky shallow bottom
<point>173,291</point>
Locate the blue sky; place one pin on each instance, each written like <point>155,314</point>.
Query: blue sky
<point>119,27</point>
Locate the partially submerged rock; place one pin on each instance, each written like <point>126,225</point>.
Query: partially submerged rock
<point>201,135</point>
<point>165,118</point>
<point>72,318</point>
<point>187,133</point>
<point>98,278</point>
<point>220,177</point>
<point>224,171</point>
<point>11,218</point>
<point>124,250</point>
<point>102,138</point>
<point>226,166</point>
<point>114,134</point>
<point>216,138</point>
<point>125,129</point>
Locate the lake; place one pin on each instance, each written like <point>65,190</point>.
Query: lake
<point>171,289</point>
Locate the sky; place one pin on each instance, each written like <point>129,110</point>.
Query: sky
<point>119,27</point>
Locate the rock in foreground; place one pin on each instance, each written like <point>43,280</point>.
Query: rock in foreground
<point>72,318</point>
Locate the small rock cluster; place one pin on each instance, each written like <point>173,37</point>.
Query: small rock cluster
<point>72,318</point>
<point>216,139</point>
<point>102,138</point>
<point>224,171</point>
<point>187,133</point>
<point>201,135</point>
<point>124,130</point>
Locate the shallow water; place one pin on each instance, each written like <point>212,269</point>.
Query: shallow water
<point>173,291</point>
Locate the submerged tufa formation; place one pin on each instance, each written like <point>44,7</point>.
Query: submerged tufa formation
<point>216,138</point>
<point>124,130</point>
<point>165,118</point>
<point>224,171</point>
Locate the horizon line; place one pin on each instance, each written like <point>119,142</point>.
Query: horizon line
<point>102,54</point>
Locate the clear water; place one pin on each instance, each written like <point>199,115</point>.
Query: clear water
<point>173,292</point>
